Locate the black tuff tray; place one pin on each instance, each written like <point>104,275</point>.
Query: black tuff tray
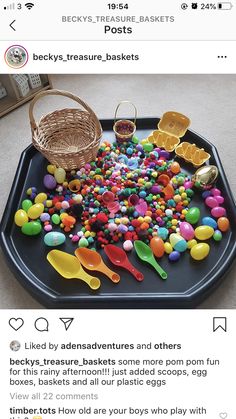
<point>189,282</point>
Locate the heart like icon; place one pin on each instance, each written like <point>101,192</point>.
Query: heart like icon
<point>16,324</point>
<point>223,415</point>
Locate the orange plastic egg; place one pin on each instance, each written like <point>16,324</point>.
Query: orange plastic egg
<point>175,167</point>
<point>223,224</point>
<point>157,246</point>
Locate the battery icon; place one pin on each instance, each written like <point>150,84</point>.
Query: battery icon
<point>225,5</point>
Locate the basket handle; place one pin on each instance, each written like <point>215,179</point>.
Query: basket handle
<point>55,92</point>
<point>121,103</point>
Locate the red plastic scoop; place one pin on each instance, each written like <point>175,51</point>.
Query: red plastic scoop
<point>119,258</point>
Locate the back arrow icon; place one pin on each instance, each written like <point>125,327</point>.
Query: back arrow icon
<point>12,24</point>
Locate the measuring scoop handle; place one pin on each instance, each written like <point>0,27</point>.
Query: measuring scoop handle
<point>111,274</point>
<point>159,270</point>
<point>137,274</point>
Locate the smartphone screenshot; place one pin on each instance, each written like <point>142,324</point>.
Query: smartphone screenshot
<point>117,209</point>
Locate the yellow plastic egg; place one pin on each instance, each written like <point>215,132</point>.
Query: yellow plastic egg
<point>35,211</point>
<point>60,175</point>
<point>21,218</point>
<point>191,243</point>
<point>168,248</point>
<point>204,232</point>
<point>40,198</point>
<point>200,251</point>
<point>51,169</point>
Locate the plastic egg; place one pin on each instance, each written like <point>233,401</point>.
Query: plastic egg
<point>157,246</point>
<point>40,198</point>
<point>54,238</point>
<point>175,167</point>
<point>219,199</point>
<point>21,218</point>
<point>35,211</point>
<point>193,215</point>
<point>223,224</point>
<point>217,236</point>
<point>49,182</point>
<point>204,232</point>
<point>168,248</point>
<point>56,219</point>
<point>208,221</point>
<point>178,243</point>
<point>200,251</point>
<point>33,228</point>
<point>174,256</point>
<point>191,243</point>
<point>211,202</point>
<point>218,212</point>
<point>26,204</point>
<point>51,169</point>
<point>186,231</point>
<point>60,175</point>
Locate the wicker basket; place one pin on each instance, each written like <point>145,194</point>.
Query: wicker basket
<point>68,138</point>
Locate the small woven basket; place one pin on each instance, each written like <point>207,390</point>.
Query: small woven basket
<point>68,138</point>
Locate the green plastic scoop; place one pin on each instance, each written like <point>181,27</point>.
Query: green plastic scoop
<point>144,253</point>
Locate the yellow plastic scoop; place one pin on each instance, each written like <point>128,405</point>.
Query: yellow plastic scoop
<point>91,260</point>
<point>69,267</point>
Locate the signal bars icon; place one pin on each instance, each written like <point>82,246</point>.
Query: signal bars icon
<point>9,7</point>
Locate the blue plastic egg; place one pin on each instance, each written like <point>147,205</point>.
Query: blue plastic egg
<point>174,256</point>
<point>54,238</point>
<point>208,221</point>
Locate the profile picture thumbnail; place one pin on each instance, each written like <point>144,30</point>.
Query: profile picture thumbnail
<point>15,345</point>
<point>16,56</point>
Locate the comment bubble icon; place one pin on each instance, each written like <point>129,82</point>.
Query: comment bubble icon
<point>41,324</point>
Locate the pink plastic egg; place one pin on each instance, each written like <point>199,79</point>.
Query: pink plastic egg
<point>211,202</point>
<point>215,192</point>
<point>187,231</point>
<point>219,199</point>
<point>218,212</point>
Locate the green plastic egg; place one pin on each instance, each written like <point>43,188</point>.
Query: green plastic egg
<point>55,219</point>
<point>40,198</point>
<point>35,211</point>
<point>21,218</point>
<point>200,251</point>
<point>26,204</point>
<point>60,175</point>
<point>54,238</point>
<point>32,228</point>
<point>204,232</point>
<point>193,215</point>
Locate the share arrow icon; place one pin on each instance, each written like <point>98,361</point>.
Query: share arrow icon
<point>67,321</point>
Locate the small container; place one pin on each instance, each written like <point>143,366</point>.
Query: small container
<point>124,129</point>
<point>171,128</point>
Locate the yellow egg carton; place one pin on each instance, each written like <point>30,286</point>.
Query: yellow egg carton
<point>192,154</point>
<point>172,126</point>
